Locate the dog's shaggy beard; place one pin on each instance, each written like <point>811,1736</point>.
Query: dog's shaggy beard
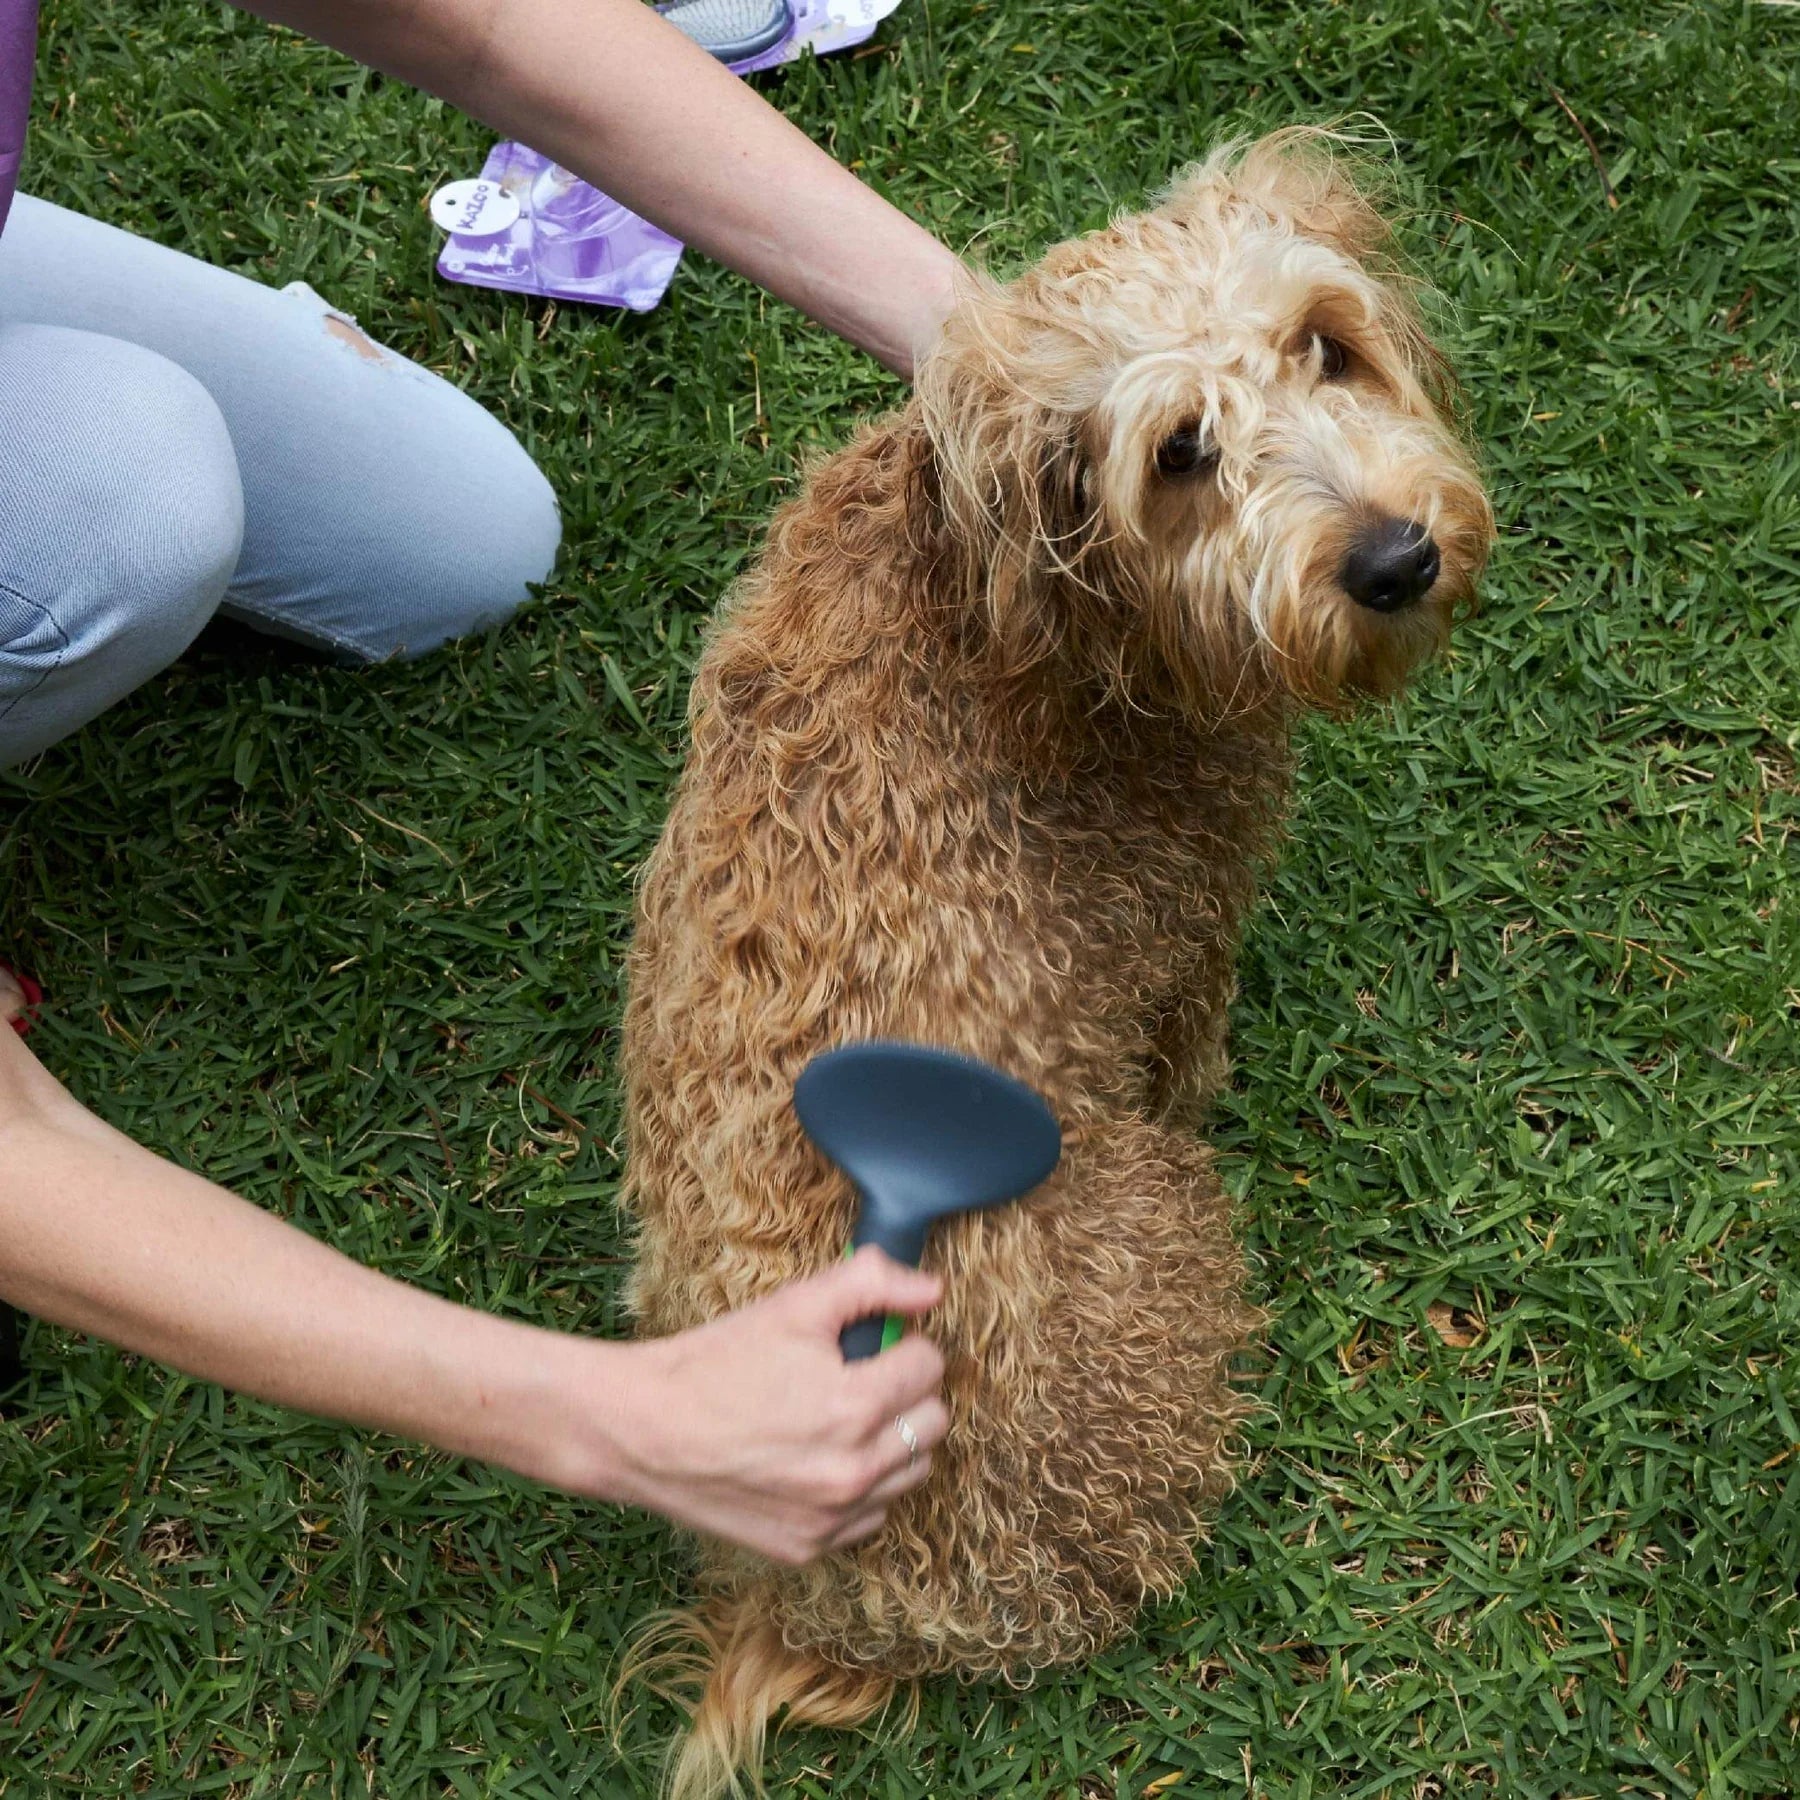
<point>1226,593</point>
<point>1235,574</point>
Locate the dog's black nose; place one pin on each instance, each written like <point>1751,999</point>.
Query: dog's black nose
<point>1391,565</point>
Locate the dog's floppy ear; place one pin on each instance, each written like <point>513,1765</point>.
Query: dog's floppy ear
<point>1011,483</point>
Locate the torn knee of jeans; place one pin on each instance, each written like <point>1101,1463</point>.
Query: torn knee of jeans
<point>347,331</point>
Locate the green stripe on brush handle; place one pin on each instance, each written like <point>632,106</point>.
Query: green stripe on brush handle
<point>870,1336</point>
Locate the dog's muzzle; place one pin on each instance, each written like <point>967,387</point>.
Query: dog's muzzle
<point>1392,564</point>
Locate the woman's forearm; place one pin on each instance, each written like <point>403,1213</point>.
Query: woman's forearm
<point>753,1427</point>
<point>612,92</point>
<point>99,1234</point>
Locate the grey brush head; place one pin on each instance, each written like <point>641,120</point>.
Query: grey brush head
<point>923,1133</point>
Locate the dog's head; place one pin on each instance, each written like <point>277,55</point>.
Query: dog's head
<point>1206,450</point>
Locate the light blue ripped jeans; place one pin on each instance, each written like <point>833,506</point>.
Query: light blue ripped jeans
<point>176,441</point>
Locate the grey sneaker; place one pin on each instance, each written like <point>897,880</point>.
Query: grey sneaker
<point>732,30</point>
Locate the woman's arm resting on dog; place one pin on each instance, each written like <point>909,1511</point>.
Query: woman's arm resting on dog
<point>752,1428</point>
<point>611,91</point>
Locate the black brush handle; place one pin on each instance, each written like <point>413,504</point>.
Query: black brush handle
<point>904,1241</point>
<point>862,1339</point>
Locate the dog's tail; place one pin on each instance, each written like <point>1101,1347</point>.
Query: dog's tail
<point>724,1662</point>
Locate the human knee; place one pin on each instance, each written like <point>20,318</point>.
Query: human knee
<point>440,523</point>
<point>179,525</point>
<point>135,486</point>
<point>508,544</point>
<point>120,520</point>
<point>473,537</point>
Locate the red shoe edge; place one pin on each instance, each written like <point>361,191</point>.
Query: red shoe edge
<point>34,999</point>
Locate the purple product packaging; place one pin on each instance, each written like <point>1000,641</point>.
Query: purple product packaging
<point>528,226</point>
<point>564,238</point>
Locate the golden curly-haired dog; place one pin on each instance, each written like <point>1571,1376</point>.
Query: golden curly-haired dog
<point>988,751</point>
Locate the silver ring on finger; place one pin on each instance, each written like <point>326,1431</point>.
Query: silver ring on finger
<point>908,1437</point>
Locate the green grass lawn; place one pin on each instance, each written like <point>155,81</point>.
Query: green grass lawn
<point>1515,1121</point>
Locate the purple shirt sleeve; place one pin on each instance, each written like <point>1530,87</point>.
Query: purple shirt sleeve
<point>18,45</point>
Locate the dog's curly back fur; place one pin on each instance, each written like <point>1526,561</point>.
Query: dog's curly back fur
<point>989,750</point>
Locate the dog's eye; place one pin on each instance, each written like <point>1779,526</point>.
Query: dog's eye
<point>1185,452</point>
<point>1334,359</point>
